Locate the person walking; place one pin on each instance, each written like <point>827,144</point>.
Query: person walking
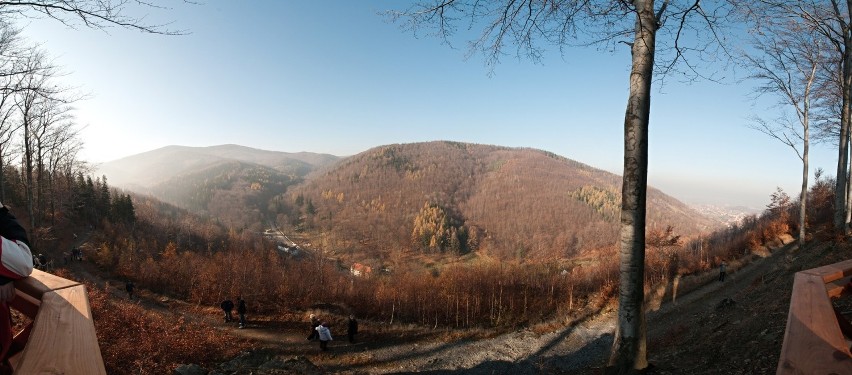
<point>227,306</point>
<point>314,324</point>
<point>324,335</point>
<point>722,271</point>
<point>129,286</point>
<point>241,309</point>
<point>352,329</point>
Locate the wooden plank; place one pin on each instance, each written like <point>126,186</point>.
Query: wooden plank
<point>838,287</point>
<point>63,339</point>
<point>42,282</point>
<point>813,343</point>
<point>832,272</point>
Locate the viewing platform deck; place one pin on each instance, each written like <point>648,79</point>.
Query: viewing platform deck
<point>61,338</point>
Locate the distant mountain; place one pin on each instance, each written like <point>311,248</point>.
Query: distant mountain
<point>450,197</point>
<point>154,167</point>
<point>231,182</point>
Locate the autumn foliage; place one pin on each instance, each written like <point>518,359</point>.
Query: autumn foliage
<point>138,340</point>
<point>509,203</point>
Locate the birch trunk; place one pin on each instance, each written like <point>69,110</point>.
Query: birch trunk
<point>629,346</point>
<point>803,197</point>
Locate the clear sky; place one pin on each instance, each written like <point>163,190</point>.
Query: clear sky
<point>336,77</point>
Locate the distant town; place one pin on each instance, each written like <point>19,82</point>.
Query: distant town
<point>729,215</point>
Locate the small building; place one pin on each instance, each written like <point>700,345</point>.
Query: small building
<point>360,270</point>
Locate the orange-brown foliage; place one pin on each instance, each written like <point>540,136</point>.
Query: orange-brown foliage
<point>202,263</point>
<point>138,340</point>
<point>515,204</point>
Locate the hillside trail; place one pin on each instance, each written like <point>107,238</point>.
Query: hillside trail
<point>582,347</point>
<point>579,348</point>
<point>710,295</point>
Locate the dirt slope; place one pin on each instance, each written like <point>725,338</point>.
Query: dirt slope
<point>738,327</point>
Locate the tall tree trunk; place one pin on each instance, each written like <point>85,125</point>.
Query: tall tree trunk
<point>2,178</point>
<point>803,197</point>
<point>843,148</point>
<point>629,346</point>
<point>848,184</point>
<point>39,183</point>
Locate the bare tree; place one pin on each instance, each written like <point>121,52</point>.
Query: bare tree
<point>529,24</point>
<point>832,20</point>
<point>787,58</point>
<point>38,107</point>
<point>54,123</point>
<point>34,88</point>
<point>13,65</point>
<point>96,14</point>
<point>63,144</point>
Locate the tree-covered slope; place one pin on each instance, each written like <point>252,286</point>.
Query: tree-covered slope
<point>449,197</point>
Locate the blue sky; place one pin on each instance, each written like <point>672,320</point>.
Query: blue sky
<point>336,77</point>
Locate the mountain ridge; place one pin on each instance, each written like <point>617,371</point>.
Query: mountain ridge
<point>438,196</point>
<point>174,160</point>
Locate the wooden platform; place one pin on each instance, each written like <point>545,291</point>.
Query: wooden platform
<point>814,342</point>
<point>61,338</point>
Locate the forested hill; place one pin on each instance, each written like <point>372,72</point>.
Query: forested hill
<point>154,167</point>
<point>449,197</point>
<point>232,183</point>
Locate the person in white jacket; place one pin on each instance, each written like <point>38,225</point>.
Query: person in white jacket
<point>324,335</point>
<point>16,262</point>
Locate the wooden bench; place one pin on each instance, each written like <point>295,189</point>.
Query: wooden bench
<point>61,338</point>
<point>814,341</point>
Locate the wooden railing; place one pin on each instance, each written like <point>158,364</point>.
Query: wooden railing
<point>61,337</point>
<point>815,341</point>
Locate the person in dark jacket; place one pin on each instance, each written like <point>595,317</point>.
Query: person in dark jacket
<point>314,324</point>
<point>129,286</point>
<point>241,309</point>
<point>352,329</point>
<point>228,307</point>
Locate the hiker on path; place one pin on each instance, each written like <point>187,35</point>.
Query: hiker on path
<point>241,309</point>
<point>722,271</point>
<point>324,335</point>
<point>129,286</point>
<point>314,324</point>
<point>16,262</point>
<point>352,329</point>
<point>227,306</point>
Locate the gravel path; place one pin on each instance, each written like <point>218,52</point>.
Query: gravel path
<point>520,352</point>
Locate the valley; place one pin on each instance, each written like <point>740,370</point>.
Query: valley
<point>439,286</point>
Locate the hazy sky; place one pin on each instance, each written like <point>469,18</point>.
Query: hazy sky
<point>336,77</point>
